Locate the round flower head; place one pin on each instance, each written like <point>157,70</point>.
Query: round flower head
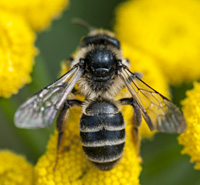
<point>73,166</point>
<point>16,53</point>
<point>38,13</point>
<point>190,139</point>
<point>14,169</point>
<point>168,30</point>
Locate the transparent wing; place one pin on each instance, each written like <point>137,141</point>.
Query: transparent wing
<point>41,109</point>
<point>159,112</point>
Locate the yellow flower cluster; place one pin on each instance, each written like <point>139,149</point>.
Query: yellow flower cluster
<point>14,169</point>
<point>16,53</point>
<point>168,31</point>
<point>190,139</point>
<point>74,168</point>
<point>17,21</point>
<point>38,13</point>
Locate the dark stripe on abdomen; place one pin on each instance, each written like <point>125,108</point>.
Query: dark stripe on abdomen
<point>102,138</point>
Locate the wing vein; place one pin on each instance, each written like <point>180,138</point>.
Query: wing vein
<point>157,110</point>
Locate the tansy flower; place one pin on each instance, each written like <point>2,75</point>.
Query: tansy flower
<point>37,13</point>
<point>16,53</point>
<point>190,139</point>
<point>17,39</point>
<point>14,169</point>
<point>73,166</point>
<point>168,31</point>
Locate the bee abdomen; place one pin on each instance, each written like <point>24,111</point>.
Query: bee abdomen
<point>103,139</point>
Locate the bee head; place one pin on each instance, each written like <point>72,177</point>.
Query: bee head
<point>100,37</point>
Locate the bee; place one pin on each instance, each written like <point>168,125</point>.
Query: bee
<point>101,72</point>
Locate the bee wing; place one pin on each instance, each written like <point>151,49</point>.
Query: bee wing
<point>41,109</point>
<point>158,111</point>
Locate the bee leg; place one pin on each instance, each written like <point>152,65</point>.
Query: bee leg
<point>60,124</point>
<point>137,119</point>
<point>136,139</point>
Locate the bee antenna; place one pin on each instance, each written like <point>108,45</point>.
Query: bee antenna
<point>81,22</point>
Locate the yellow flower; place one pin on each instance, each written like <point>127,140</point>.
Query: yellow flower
<point>16,53</point>
<point>38,13</point>
<point>168,31</point>
<point>14,169</point>
<point>190,139</point>
<point>146,65</point>
<point>74,168</point>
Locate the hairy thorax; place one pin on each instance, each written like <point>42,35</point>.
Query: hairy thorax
<point>108,89</point>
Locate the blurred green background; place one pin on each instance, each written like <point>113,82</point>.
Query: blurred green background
<point>162,161</point>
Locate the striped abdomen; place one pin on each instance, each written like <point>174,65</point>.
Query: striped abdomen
<point>102,134</point>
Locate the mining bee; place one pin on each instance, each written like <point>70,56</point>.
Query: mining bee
<point>101,72</point>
